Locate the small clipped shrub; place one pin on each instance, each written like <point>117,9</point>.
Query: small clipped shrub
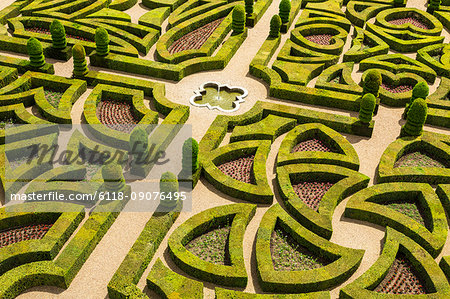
<point>58,35</point>
<point>238,19</point>
<point>79,61</point>
<point>284,10</point>
<point>372,82</point>
<point>249,7</point>
<point>34,48</point>
<point>366,108</point>
<point>190,155</point>
<point>434,5</point>
<point>138,145</point>
<point>420,91</point>
<point>275,25</point>
<point>399,3</point>
<point>102,41</point>
<point>113,177</point>
<point>168,185</point>
<point>415,119</point>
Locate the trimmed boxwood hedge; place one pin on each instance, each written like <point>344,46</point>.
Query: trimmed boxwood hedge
<point>232,294</point>
<point>376,45</point>
<point>441,66</point>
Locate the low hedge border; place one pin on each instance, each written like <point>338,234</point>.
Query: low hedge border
<point>259,192</point>
<point>110,14</point>
<point>232,294</point>
<point>363,37</point>
<point>259,8</point>
<point>154,18</point>
<point>234,275</point>
<point>346,82</point>
<point>398,63</point>
<point>343,153</point>
<point>438,99</point>
<point>122,4</point>
<point>442,67</point>
<point>152,4</point>
<point>367,205</point>
<point>312,15</point>
<point>124,282</point>
<point>23,65</point>
<point>70,11</point>
<point>167,283</point>
<point>436,144</point>
<point>438,117</point>
<point>191,9</point>
<point>64,224</point>
<point>338,40</point>
<point>404,41</point>
<point>359,16</point>
<point>443,191</point>
<point>295,53</point>
<point>295,8</point>
<point>12,10</point>
<point>297,74</point>
<point>443,17</point>
<point>7,76</point>
<point>433,277</point>
<point>345,260</point>
<point>345,182</point>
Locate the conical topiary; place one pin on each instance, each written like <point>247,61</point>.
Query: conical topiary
<point>113,177</point>
<point>238,19</point>
<point>249,7</point>
<point>34,48</point>
<point>138,145</point>
<point>420,90</point>
<point>190,155</point>
<point>58,35</point>
<point>366,108</point>
<point>168,186</point>
<point>415,119</point>
<point>434,5</point>
<point>102,41</point>
<point>79,60</point>
<point>275,25</point>
<point>372,82</point>
<point>284,10</point>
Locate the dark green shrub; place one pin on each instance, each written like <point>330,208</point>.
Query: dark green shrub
<point>275,25</point>
<point>113,177</point>
<point>190,155</point>
<point>238,19</point>
<point>79,60</point>
<point>420,91</point>
<point>398,3</point>
<point>249,7</point>
<point>366,108</point>
<point>58,35</point>
<point>415,119</point>
<point>34,48</point>
<point>372,82</point>
<point>168,185</point>
<point>102,41</point>
<point>138,145</point>
<point>284,10</point>
<point>434,5</point>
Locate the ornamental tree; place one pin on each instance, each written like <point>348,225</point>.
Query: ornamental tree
<point>420,91</point>
<point>79,61</point>
<point>238,19</point>
<point>168,186</point>
<point>58,35</point>
<point>249,7</point>
<point>415,119</point>
<point>102,41</point>
<point>113,177</point>
<point>366,108</point>
<point>34,48</point>
<point>372,82</point>
<point>434,5</point>
<point>284,10</point>
<point>138,145</point>
<point>275,25</point>
<point>190,155</point>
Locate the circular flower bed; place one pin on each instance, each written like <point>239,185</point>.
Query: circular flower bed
<point>418,159</point>
<point>239,169</point>
<point>46,31</point>
<point>288,255</point>
<point>396,88</point>
<point>194,39</point>
<point>30,232</point>
<point>116,115</point>
<point>311,145</point>
<point>412,20</point>
<point>320,39</point>
<point>212,246</point>
<point>53,97</point>
<point>401,279</point>
<point>311,193</point>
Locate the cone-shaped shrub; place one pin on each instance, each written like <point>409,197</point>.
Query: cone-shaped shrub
<point>168,185</point>
<point>366,108</point>
<point>275,25</point>
<point>420,91</point>
<point>434,5</point>
<point>102,41</point>
<point>138,145</point>
<point>372,82</point>
<point>249,7</point>
<point>238,19</point>
<point>79,60</point>
<point>58,35</point>
<point>190,155</point>
<point>415,119</point>
<point>113,177</point>
<point>284,10</point>
<point>34,48</point>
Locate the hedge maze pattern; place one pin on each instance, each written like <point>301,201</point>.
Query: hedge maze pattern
<point>316,167</point>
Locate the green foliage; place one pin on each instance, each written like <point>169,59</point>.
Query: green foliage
<point>113,177</point>
<point>434,5</point>
<point>420,91</point>
<point>34,48</point>
<point>368,103</point>
<point>58,35</point>
<point>168,185</point>
<point>372,82</point>
<point>415,119</point>
<point>102,41</point>
<point>399,2</point>
<point>238,19</point>
<point>285,10</point>
<point>249,7</point>
<point>79,60</point>
<point>138,144</point>
<point>275,25</point>
<point>190,155</point>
